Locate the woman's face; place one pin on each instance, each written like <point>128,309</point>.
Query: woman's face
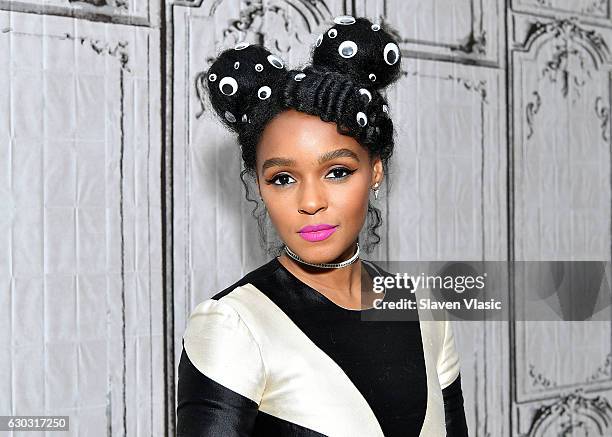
<point>309,174</point>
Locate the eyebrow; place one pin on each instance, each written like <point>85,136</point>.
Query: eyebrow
<point>327,156</point>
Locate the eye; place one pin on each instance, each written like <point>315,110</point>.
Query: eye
<point>228,86</point>
<point>362,119</point>
<point>340,170</point>
<point>344,19</point>
<point>347,49</point>
<point>332,33</point>
<point>236,65</point>
<point>258,67</point>
<point>372,77</point>
<point>212,77</point>
<point>280,177</point>
<point>319,40</point>
<point>275,61</point>
<point>264,92</point>
<point>375,27</point>
<point>391,53</point>
<point>366,93</point>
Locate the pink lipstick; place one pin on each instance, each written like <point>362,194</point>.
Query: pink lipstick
<point>317,232</point>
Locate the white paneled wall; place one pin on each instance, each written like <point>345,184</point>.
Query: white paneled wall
<point>80,224</point>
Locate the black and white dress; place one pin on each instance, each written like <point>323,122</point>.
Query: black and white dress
<point>271,356</point>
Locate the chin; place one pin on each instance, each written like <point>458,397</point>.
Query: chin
<point>323,251</point>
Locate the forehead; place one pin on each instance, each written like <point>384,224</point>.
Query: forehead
<point>302,136</point>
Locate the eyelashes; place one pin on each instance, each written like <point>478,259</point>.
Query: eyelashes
<point>348,172</point>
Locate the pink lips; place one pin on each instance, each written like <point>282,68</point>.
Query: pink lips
<point>317,232</point>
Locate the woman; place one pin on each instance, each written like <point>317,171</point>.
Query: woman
<point>284,350</point>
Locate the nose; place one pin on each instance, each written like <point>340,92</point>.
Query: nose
<point>312,198</point>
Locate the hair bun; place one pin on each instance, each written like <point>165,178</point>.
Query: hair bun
<point>241,79</point>
<point>361,49</point>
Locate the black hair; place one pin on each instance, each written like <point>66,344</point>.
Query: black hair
<point>351,63</point>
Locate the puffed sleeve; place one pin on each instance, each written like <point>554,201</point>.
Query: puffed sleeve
<point>221,374</point>
<point>450,381</point>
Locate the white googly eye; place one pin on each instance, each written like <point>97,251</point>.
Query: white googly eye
<point>375,27</point>
<point>236,65</point>
<point>241,45</point>
<point>344,19</point>
<point>298,77</point>
<point>212,77</point>
<point>362,119</point>
<point>264,92</point>
<point>228,86</point>
<point>245,118</point>
<point>276,61</point>
<point>347,49</point>
<point>391,53</point>
<point>258,67</point>
<point>319,40</point>
<point>230,117</point>
<point>365,92</point>
<point>385,109</point>
<point>332,33</point>
<point>372,77</point>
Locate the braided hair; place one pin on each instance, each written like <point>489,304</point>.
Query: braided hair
<point>351,63</point>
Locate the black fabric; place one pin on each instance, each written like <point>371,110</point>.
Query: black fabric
<point>384,360</point>
<point>267,425</point>
<point>454,413</point>
<point>208,409</point>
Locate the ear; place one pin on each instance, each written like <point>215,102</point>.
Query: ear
<point>377,171</point>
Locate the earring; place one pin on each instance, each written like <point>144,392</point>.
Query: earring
<point>376,191</point>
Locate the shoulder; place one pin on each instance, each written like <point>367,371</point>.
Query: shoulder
<point>221,346</point>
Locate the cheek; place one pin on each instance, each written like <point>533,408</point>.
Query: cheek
<point>352,201</point>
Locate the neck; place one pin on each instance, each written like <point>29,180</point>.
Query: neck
<point>342,283</point>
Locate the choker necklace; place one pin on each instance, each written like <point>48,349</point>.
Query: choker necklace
<point>351,260</point>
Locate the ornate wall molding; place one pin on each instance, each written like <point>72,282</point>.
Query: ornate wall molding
<point>118,4</point>
<point>132,13</point>
<point>573,415</point>
<point>588,9</point>
<point>479,86</point>
<point>538,378</point>
<point>566,30</point>
<point>531,109</point>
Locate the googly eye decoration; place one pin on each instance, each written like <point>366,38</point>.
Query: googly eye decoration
<point>375,27</point>
<point>236,65</point>
<point>372,77</point>
<point>298,77</point>
<point>391,53</point>
<point>347,49</point>
<point>241,45</point>
<point>332,33</point>
<point>258,67</point>
<point>228,86</point>
<point>212,77</point>
<point>319,40</point>
<point>366,93</point>
<point>230,117</point>
<point>385,109</point>
<point>275,61</point>
<point>264,92</point>
<point>362,119</point>
<point>344,19</point>
<point>245,118</point>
